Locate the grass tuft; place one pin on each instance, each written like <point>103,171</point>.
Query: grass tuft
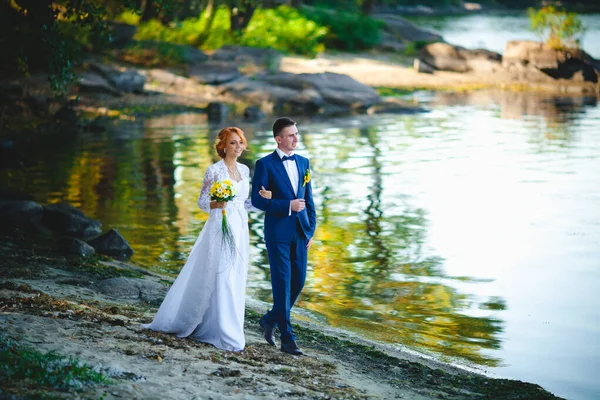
<point>23,369</point>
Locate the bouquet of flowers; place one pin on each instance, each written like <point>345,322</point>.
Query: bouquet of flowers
<point>224,191</point>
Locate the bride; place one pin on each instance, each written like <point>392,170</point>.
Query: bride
<point>207,300</point>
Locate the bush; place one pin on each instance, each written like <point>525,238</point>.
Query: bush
<point>283,29</point>
<point>128,17</point>
<point>347,31</point>
<point>557,28</point>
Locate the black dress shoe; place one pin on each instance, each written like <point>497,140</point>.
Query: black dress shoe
<point>267,330</point>
<point>291,348</point>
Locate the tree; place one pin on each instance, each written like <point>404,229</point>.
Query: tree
<point>557,28</point>
<point>46,35</point>
<point>241,12</point>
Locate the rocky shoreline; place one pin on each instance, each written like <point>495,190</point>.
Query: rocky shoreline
<point>90,309</point>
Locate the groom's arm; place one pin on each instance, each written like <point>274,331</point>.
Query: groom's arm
<point>261,179</point>
<point>310,206</point>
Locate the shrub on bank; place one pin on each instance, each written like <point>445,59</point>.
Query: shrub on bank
<point>347,30</point>
<point>282,28</point>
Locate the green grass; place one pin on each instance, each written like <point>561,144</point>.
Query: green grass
<point>23,369</point>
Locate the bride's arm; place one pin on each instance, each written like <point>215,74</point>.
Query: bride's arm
<point>203,197</point>
<point>248,202</point>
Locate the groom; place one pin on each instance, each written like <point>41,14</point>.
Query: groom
<point>290,222</point>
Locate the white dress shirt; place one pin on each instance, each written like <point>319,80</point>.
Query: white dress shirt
<point>292,171</point>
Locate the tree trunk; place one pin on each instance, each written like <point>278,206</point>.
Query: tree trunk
<point>149,11</point>
<point>241,14</point>
<point>210,13</point>
<point>187,10</point>
<point>367,7</point>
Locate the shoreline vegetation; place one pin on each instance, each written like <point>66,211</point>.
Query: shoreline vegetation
<point>80,316</point>
<point>321,63</point>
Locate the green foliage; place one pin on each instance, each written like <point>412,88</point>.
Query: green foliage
<point>347,31</point>
<point>26,368</point>
<point>282,28</point>
<point>557,28</point>
<point>49,36</point>
<point>128,17</point>
<point>187,31</point>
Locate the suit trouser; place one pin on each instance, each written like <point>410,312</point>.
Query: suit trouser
<point>288,274</point>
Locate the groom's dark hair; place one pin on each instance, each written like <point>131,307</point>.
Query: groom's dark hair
<point>282,123</point>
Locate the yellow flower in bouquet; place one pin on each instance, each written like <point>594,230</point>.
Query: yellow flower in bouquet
<point>223,191</point>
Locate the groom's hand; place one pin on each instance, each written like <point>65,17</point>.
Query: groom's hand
<point>309,243</point>
<point>298,205</point>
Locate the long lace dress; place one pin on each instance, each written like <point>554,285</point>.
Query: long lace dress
<point>207,300</point>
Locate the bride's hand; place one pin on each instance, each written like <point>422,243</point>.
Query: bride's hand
<point>264,193</point>
<point>218,204</point>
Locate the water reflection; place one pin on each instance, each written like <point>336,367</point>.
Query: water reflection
<point>554,109</point>
<point>430,226</point>
<point>370,268</point>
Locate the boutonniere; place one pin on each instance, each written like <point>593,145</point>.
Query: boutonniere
<point>306,177</point>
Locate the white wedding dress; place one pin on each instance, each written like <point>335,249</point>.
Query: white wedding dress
<point>207,300</point>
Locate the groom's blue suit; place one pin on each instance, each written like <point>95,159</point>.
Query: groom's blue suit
<point>286,234</point>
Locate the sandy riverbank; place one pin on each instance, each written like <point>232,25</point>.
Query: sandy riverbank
<point>52,303</point>
<point>396,71</point>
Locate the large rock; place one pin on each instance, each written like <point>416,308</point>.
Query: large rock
<point>113,244</point>
<point>244,56</point>
<point>390,42</point>
<point>122,79</point>
<point>90,82</point>
<point>325,93</point>
<point>121,33</point>
<point>75,247</point>
<point>186,53</point>
<point>10,194</point>
<point>214,72</point>
<point>253,114</point>
<point>336,89</point>
<point>65,219</point>
<point>66,116</point>
<point>133,289</point>
<point>572,64</point>
<point>404,30</point>
<point>267,95</point>
<point>10,158</point>
<point>217,112</point>
<point>446,57</point>
<point>20,214</point>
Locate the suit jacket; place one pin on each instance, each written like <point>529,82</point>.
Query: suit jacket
<point>279,224</point>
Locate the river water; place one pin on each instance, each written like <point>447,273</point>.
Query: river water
<point>470,232</point>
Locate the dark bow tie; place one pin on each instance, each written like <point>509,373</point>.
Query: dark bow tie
<point>291,158</point>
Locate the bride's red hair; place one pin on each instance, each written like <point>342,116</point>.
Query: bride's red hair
<point>224,135</point>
